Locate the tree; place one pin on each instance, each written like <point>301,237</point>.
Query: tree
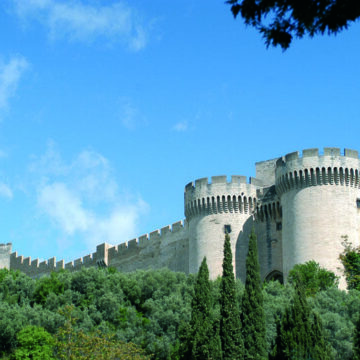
<point>34,343</point>
<point>350,258</point>
<point>252,311</point>
<point>279,21</point>
<point>293,340</point>
<point>300,333</point>
<point>203,340</point>
<point>320,347</point>
<point>74,344</point>
<point>313,277</point>
<point>356,343</point>
<point>232,344</point>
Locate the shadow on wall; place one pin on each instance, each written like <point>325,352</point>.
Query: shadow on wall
<point>241,251</point>
<point>241,248</point>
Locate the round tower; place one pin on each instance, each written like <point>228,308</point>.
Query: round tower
<point>211,209</point>
<point>320,201</point>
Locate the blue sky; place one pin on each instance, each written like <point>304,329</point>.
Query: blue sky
<point>108,108</point>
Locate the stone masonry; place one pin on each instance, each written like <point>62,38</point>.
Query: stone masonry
<point>300,205</point>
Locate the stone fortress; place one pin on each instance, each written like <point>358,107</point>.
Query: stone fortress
<point>300,205</point>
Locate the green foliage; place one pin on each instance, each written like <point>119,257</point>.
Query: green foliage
<point>232,344</point>
<point>350,258</point>
<point>300,333</point>
<point>34,343</point>
<point>152,309</point>
<point>280,21</point>
<point>252,311</point>
<point>313,277</point>
<point>46,286</point>
<point>74,344</point>
<point>356,345</point>
<point>202,340</point>
<point>293,340</point>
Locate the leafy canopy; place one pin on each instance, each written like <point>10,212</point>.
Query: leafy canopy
<point>313,277</point>
<point>350,259</point>
<point>279,21</point>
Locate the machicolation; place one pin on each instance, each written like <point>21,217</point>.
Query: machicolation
<point>300,206</point>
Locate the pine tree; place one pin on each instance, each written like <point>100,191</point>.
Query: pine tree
<point>230,324</point>
<point>252,311</point>
<point>203,340</point>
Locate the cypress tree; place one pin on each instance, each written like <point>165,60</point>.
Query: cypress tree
<point>203,340</point>
<point>356,341</point>
<point>252,311</point>
<point>300,333</point>
<point>232,344</point>
<point>320,348</point>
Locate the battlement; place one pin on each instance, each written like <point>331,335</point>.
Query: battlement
<point>144,240</point>
<point>102,257</point>
<point>333,167</point>
<point>221,196</point>
<point>222,181</point>
<point>332,152</point>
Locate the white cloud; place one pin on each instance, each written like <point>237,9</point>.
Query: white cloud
<point>83,200</point>
<point>10,74</point>
<point>64,207</point>
<point>5,191</point>
<point>181,126</point>
<point>83,22</point>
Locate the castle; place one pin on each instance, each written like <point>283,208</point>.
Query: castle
<point>300,205</point>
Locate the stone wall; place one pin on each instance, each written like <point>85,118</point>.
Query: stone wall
<point>300,205</point>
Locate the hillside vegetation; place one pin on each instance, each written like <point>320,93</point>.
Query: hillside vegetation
<point>148,314</point>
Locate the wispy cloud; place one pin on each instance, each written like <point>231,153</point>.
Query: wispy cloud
<point>5,191</point>
<point>75,20</point>
<point>129,114</point>
<point>83,199</point>
<point>10,74</point>
<point>180,126</point>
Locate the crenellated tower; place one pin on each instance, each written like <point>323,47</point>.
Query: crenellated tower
<point>211,209</point>
<point>300,205</point>
<point>320,200</point>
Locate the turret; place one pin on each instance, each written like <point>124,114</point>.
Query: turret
<point>211,209</point>
<point>319,195</point>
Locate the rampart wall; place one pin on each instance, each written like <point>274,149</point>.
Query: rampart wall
<point>167,247</point>
<point>300,205</point>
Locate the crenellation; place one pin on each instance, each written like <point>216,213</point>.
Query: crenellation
<point>202,182</point>
<point>238,179</point>
<point>332,151</point>
<point>165,230</point>
<point>88,258</point>
<point>351,153</point>
<point>52,262</point>
<point>60,265</point>
<point>78,262</point>
<point>69,266</point>
<point>155,235</point>
<point>132,244</point>
<point>178,226</point>
<point>221,179</point>
<point>299,204</point>
<point>42,265</point>
<point>310,152</point>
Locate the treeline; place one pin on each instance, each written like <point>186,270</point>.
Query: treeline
<point>105,314</point>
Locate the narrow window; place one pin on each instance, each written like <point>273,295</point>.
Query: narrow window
<point>278,226</point>
<point>227,229</point>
